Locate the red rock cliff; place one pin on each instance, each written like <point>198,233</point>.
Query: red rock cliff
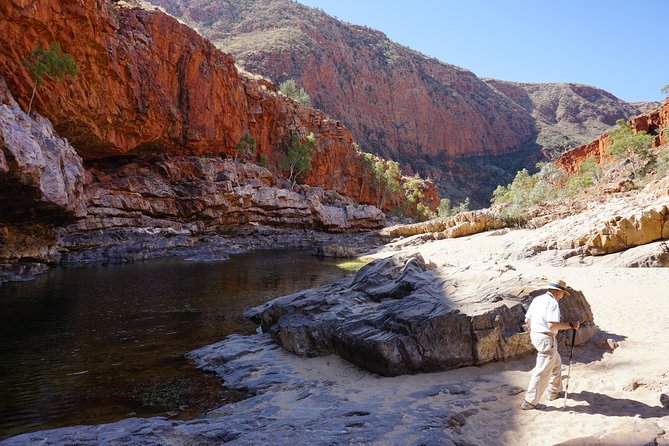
<point>147,83</point>
<point>397,102</point>
<point>653,123</point>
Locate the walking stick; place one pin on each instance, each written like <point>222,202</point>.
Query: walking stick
<point>571,355</point>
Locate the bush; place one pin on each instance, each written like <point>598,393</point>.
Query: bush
<point>445,209</point>
<point>50,62</point>
<point>246,146</point>
<point>589,173</point>
<point>528,190</point>
<point>633,146</point>
<point>289,88</point>
<point>298,159</point>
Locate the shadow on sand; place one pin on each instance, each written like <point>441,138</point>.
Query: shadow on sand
<point>601,404</point>
<point>594,350</point>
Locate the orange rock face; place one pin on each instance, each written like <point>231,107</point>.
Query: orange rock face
<point>147,83</point>
<point>652,123</point>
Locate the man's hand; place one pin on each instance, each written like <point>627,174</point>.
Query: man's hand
<point>575,325</point>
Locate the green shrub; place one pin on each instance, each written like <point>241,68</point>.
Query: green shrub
<point>626,144</point>
<point>589,173</point>
<point>246,146</point>
<point>528,190</point>
<point>445,210</point>
<point>662,164</point>
<point>289,88</point>
<point>298,159</point>
<point>50,62</point>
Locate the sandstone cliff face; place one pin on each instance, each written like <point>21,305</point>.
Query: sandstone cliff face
<point>653,122</point>
<point>397,102</point>
<point>123,209</point>
<point>147,83</point>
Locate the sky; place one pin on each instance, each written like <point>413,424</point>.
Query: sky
<point>621,46</point>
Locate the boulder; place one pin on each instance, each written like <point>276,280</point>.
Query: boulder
<point>41,186</point>
<point>401,315</point>
<point>460,225</point>
<point>41,176</point>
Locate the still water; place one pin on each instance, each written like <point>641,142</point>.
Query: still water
<point>94,344</point>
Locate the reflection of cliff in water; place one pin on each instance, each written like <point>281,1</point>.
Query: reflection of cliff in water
<point>95,344</point>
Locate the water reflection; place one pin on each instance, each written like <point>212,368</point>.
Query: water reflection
<point>94,344</point>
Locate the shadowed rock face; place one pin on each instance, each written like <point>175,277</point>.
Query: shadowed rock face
<point>41,185</point>
<point>400,316</point>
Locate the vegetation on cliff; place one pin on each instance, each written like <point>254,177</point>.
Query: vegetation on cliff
<point>51,62</point>
<point>289,88</point>
<point>297,161</point>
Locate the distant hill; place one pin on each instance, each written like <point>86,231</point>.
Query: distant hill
<point>441,120</point>
<point>569,114</point>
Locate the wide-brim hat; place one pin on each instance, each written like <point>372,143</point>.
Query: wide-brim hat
<point>558,284</point>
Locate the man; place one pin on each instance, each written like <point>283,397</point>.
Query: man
<point>543,322</point>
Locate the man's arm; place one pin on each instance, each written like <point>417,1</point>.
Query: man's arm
<point>564,326</point>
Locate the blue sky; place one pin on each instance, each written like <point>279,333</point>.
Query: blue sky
<point>621,46</point>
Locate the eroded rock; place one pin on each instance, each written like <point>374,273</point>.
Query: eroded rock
<point>460,225</point>
<point>398,316</point>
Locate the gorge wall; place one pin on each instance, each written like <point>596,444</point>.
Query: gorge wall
<point>466,133</point>
<point>147,84</point>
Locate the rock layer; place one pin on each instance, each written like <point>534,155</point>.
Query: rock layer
<point>400,316</point>
<point>41,185</point>
<point>460,225</point>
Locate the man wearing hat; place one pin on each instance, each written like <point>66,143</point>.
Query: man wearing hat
<point>543,322</point>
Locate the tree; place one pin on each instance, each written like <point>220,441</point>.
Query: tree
<point>289,88</point>
<point>366,163</point>
<point>50,62</point>
<point>298,159</point>
<point>246,146</point>
<point>630,145</point>
<point>665,89</point>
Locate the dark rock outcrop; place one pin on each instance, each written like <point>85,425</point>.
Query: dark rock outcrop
<point>398,316</point>
<point>41,185</point>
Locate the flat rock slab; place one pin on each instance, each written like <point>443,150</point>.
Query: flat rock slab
<point>401,315</point>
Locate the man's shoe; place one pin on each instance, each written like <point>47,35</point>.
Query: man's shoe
<point>526,406</point>
<point>555,396</point>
